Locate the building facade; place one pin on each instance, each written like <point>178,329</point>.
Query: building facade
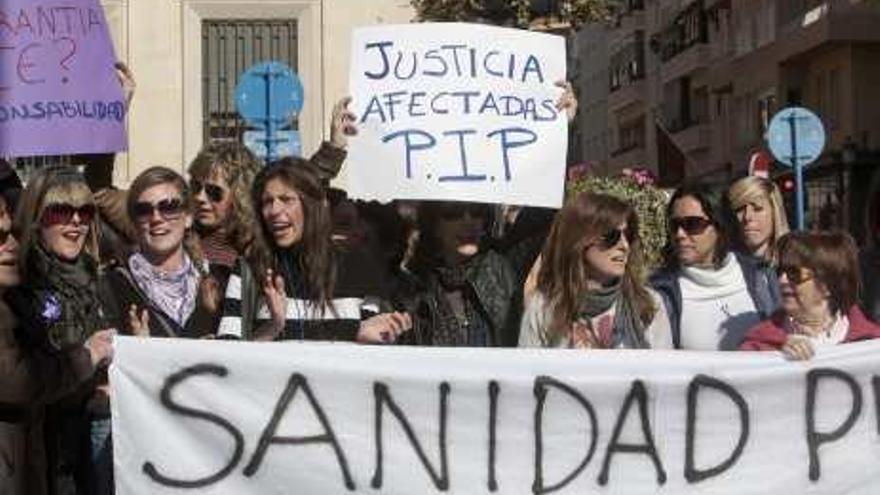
<point>187,54</point>
<point>706,76</point>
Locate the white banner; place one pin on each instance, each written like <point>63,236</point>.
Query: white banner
<point>457,111</point>
<point>216,417</point>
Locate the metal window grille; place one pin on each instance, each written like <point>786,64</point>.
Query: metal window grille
<point>26,166</point>
<point>229,47</point>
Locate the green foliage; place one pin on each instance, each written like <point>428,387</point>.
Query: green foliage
<point>648,201</point>
<point>519,13</point>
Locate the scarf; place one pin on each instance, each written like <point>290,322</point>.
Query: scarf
<point>626,330</point>
<point>218,250</point>
<point>717,283</point>
<point>70,306</point>
<point>174,293</point>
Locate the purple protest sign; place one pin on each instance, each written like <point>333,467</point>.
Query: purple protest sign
<point>58,90</point>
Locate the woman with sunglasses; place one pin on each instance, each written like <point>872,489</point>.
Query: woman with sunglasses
<point>31,377</point>
<point>460,291</point>
<point>819,277</point>
<point>297,284</point>
<point>712,295</point>
<point>165,288</point>
<point>591,291</point>
<point>59,300</point>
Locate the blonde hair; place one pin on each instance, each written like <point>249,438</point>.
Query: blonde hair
<point>47,186</point>
<point>749,189</point>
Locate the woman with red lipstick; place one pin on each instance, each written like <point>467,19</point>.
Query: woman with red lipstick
<point>32,377</point>
<point>591,291</point>
<point>59,301</point>
<point>461,292</point>
<point>819,278</point>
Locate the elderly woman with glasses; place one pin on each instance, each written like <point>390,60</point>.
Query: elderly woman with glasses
<point>713,296</point>
<point>591,291</point>
<point>819,278</point>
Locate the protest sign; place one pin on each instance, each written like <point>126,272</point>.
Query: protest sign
<point>58,91</point>
<point>457,111</point>
<point>202,417</point>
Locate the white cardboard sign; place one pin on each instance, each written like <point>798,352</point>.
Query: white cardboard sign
<point>457,112</point>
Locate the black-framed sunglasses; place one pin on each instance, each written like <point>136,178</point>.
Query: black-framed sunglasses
<point>214,192</point>
<point>169,209</point>
<point>612,238</point>
<point>63,213</point>
<point>795,274</point>
<point>691,225</point>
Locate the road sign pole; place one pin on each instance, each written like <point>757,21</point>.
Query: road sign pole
<point>798,174</point>
<point>270,121</point>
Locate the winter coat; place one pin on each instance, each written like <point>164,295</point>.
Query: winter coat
<point>30,378</point>
<point>761,282</point>
<point>496,288</point>
<point>771,334</point>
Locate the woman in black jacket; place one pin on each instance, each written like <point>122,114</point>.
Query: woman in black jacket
<point>297,284</point>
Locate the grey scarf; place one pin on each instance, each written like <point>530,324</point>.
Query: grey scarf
<point>627,331</point>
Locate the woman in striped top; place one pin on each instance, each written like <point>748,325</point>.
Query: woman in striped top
<point>297,284</point>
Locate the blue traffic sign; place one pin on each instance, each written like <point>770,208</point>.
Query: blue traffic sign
<point>268,95</point>
<point>796,138</point>
<point>797,130</point>
<point>284,143</point>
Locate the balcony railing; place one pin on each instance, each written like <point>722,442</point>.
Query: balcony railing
<point>690,27</point>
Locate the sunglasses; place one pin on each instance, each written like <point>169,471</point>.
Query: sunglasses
<point>63,213</point>
<point>690,225</point>
<point>612,237</point>
<point>214,192</point>
<point>169,209</point>
<point>457,211</point>
<point>795,274</point>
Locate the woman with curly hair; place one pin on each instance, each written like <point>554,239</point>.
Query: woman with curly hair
<point>592,292</point>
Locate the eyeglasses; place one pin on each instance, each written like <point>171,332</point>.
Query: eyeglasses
<point>456,211</point>
<point>690,225</point>
<point>169,209</point>
<point>63,213</point>
<point>612,238</point>
<point>795,274</point>
<point>214,192</point>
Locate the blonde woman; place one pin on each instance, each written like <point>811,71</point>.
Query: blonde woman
<point>591,291</point>
<point>760,213</point>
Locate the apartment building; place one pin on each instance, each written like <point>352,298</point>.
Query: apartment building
<point>706,77</point>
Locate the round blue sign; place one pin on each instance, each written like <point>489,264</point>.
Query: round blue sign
<point>798,126</point>
<point>269,93</point>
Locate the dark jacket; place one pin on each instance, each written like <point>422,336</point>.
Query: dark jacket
<point>120,292</point>
<point>490,281</point>
<point>771,335</point>
<point>761,282</point>
<point>29,379</point>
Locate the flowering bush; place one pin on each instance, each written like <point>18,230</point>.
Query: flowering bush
<point>636,186</point>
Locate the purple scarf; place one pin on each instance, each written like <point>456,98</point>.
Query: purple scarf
<point>172,292</point>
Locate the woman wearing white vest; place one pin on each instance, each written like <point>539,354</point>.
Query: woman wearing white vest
<point>713,296</point>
